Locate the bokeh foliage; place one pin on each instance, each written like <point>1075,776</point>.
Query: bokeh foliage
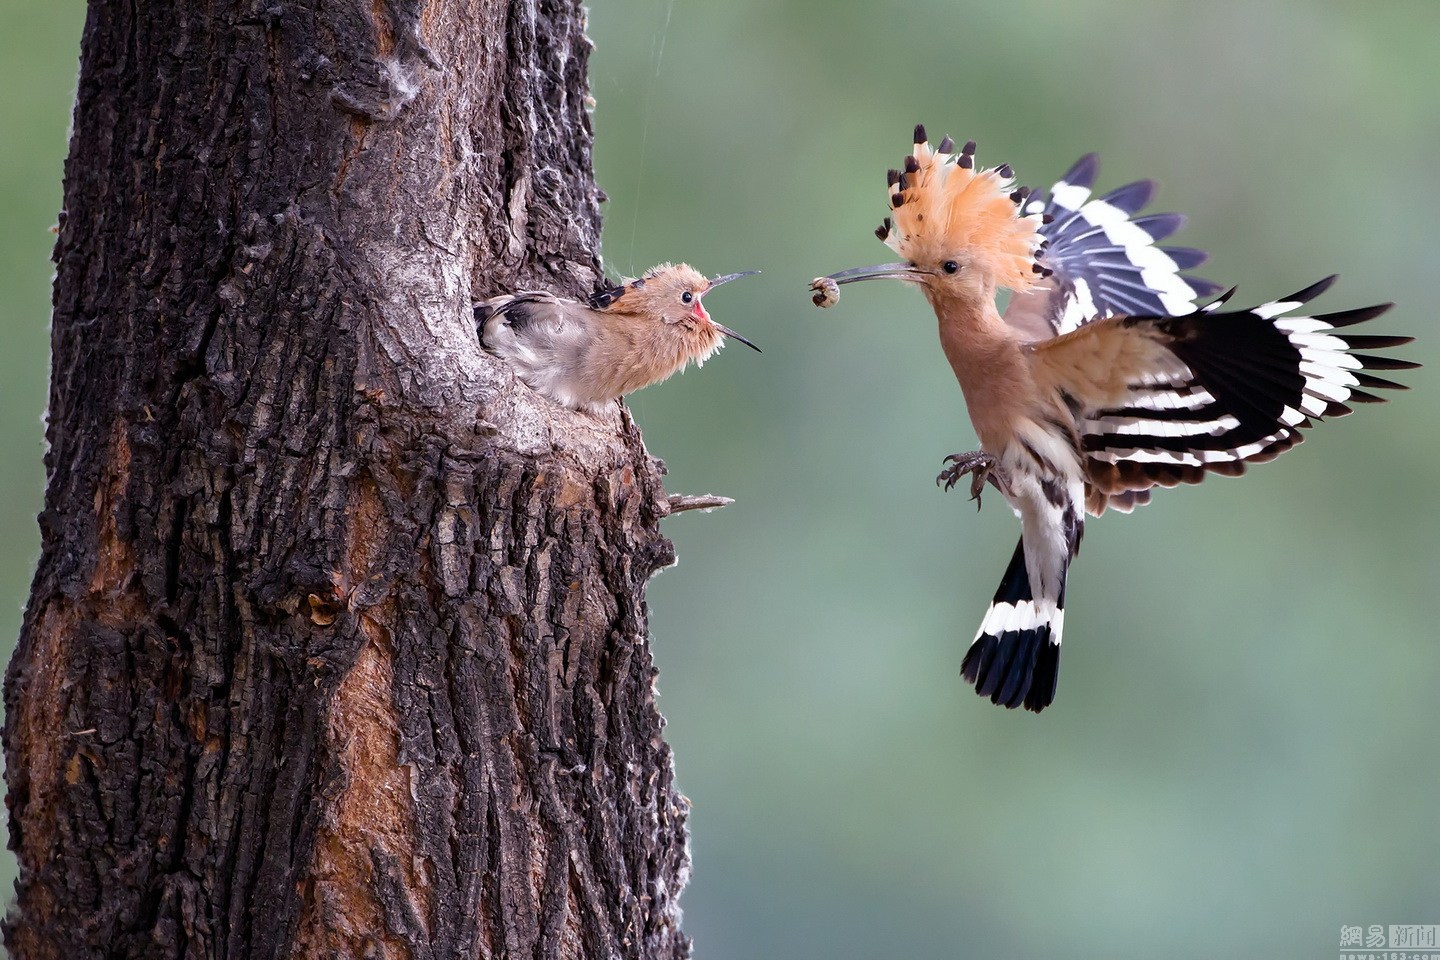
<point>1242,754</point>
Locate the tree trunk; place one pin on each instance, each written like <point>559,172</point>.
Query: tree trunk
<point>337,645</point>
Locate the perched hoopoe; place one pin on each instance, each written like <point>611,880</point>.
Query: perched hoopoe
<point>1102,379</point>
<point>627,336</point>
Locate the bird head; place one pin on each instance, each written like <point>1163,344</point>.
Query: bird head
<point>670,297</point>
<point>960,230</point>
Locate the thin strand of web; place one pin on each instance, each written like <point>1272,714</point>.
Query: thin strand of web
<point>657,53</point>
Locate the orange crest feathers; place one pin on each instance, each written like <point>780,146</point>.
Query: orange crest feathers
<point>943,206</point>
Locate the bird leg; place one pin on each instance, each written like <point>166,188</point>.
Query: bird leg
<point>981,465</point>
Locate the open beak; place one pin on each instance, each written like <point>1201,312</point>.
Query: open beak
<point>735,336</point>
<point>724,329</point>
<point>884,271</point>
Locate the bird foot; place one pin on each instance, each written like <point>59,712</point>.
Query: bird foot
<point>982,466</point>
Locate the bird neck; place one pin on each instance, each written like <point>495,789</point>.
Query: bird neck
<point>971,331</point>
<point>986,357</point>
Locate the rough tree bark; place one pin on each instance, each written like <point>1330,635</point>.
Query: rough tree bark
<point>337,645</point>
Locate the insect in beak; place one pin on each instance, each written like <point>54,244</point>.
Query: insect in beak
<point>884,271</point>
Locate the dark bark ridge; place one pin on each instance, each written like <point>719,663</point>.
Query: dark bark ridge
<point>337,645</point>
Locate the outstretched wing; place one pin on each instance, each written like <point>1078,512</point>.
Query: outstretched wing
<point>1105,259</point>
<point>1162,401</point>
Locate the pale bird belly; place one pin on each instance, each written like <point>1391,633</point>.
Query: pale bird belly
<point>1045,482</point>
<point>1047,493</point>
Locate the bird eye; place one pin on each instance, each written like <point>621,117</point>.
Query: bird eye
<point>950,266</point>
<point>687,297</point>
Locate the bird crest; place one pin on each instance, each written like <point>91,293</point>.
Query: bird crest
<point>943,204</point>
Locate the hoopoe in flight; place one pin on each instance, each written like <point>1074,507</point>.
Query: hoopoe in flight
<point>627,336</point>
<point>1102,379</point>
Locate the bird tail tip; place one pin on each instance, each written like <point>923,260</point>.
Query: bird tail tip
<point>1015,657</point>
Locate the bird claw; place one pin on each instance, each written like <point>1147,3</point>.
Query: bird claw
<point>982,467</point>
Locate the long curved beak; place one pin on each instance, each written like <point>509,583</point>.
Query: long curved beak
<point>722,328</point>
<point>884,271</point>
<point>731,276</point>
<point>735,336</point>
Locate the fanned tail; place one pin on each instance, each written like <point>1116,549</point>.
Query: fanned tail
<point>1015,658</point>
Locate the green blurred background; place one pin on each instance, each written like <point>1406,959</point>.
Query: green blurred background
<point>1243,754</point>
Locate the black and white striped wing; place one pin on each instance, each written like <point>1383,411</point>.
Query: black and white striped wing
<point>1105,259</point>
<point>1246,384</point>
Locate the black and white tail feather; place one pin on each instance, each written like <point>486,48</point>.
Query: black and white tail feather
<point>1015,657</point>
<point>1106,260</point>
<point>1247,383</point>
